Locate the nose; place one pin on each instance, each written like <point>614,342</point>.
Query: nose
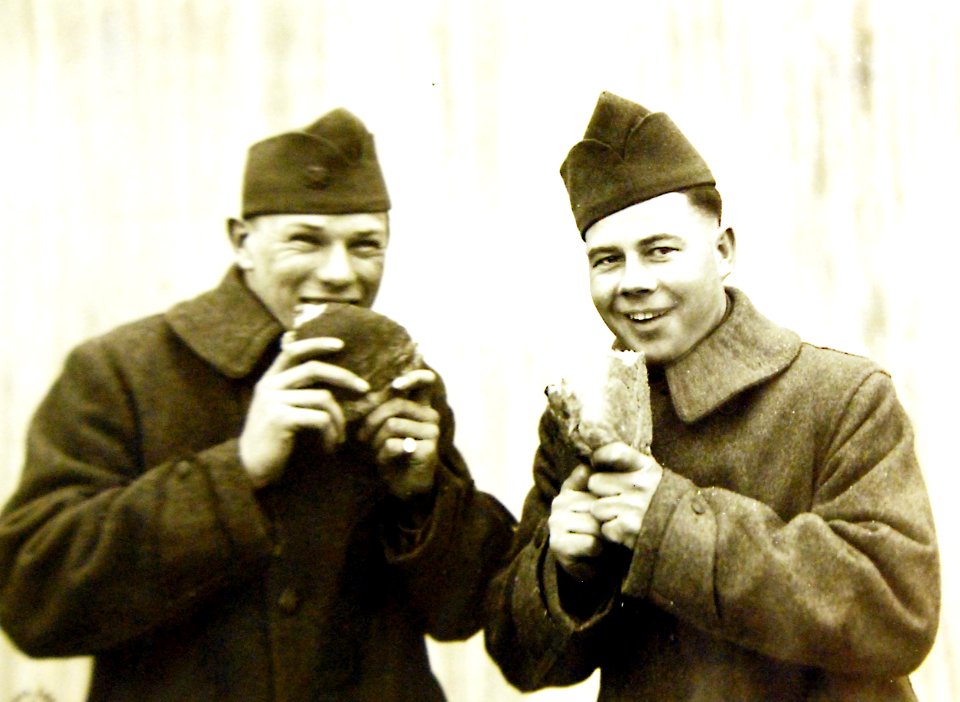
<point>638,277</point>
<point>335,270</point>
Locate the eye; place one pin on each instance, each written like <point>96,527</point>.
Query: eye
<point>304,239</point>
<point>606,260</point>
<point>367,247</point>
<point>662,252</point>
<point>604,257</point>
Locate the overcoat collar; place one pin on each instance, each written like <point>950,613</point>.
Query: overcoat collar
<point>743,351</point>
<point>228,326</point>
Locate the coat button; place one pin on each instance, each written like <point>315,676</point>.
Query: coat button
<point>289,601</point>
<point>183,469</point>
<point>698,505</point>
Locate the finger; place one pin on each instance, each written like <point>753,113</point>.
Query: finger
<point>400,428</point>
<point>294,351</point>
<point>305,397</point>
<point>622,530</point>
<point>300,349</point>
<point>577,480</point>
<point>612,531</point>
<point>575,545</point>
<point>316,399</point>
<point>337,418</point>
<point>646,480</point>
<point>332,436</point>
<point>396,407</point>
<point>315,372</point>
<point>608,508</point>
<point>296,419</point>
<point>618,457</point>
<point>573,501</point>
<point>605,484</point>
<point>395,449</point>
<point>573,523</point>
<point>608,484</point>
<point>414,380</point>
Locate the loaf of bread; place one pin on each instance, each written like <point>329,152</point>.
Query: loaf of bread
<point>606,400</point>
<point>375,348</point>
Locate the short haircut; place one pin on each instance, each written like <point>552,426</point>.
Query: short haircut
<point>706,198</point>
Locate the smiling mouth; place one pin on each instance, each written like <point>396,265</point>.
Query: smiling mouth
<point>325,300</point>
<point>642,317</point>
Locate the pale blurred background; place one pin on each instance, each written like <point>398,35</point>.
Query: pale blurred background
<point>832,126</point>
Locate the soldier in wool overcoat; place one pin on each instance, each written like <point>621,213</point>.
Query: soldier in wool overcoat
<point>776,543</point>
<point>195,511</point>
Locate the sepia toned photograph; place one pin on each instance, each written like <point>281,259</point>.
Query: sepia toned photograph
<point>478,351</point>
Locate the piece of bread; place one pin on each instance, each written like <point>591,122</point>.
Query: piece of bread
<point>375,347</point>
<point>606,401</point>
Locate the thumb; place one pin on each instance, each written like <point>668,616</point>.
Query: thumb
<point>577,480</point>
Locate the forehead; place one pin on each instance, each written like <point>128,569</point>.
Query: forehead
<point>332,224</point>
<point>671,214</point>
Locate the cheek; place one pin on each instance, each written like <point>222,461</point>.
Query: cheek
<point>291,270</point>
<point>601,290</point>
<point>370,271</point>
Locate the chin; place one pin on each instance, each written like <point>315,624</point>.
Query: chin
<point>653,355</point>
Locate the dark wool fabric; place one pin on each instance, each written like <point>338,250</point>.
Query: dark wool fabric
<point>788,554</point>
<point>136,537</point>
<point>329,167</point>
<point>627,155</point>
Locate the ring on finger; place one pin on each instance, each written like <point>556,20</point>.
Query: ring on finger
<point>408,445</point>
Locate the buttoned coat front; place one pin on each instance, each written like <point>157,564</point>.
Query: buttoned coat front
<point>788,553</point>
<point>136,537</point>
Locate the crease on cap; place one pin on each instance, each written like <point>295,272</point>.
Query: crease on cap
<point>329,167</point>
<point>628,154</point>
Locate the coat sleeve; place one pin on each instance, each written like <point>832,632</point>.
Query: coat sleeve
<point>96,549</point>
<point>447,562</point>
<point>539,633</point>
<point>852,585</point>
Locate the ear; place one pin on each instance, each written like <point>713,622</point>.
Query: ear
<point>726,251</point>
<point>238,231</point>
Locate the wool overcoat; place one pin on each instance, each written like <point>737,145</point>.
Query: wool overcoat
<point>136,537</point>
<point>788,553</point>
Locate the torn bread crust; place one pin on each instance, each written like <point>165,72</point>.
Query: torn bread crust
<point>606,403</point>
<point>306,311</point>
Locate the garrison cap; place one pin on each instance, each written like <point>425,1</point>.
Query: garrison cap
<point>329,167</point>
<point>628,155</point>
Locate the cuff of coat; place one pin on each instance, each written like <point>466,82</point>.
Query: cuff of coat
<point>406,546</point>
<point>538,615</point>
<point>209,524</point>
<point>683,579</point>
<point>672,490</point>
<point>235,502</point>
<point>569,623</point>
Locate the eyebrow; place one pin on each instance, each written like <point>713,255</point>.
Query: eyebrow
<point>645,241</point>
<point>602,250</point>
<point>655,238</point>
<point>300,228</point>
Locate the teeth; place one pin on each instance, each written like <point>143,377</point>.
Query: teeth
<point>644,316</point>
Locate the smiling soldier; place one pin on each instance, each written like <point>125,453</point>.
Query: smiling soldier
<point>776,543</point>
<point>162,524</point>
